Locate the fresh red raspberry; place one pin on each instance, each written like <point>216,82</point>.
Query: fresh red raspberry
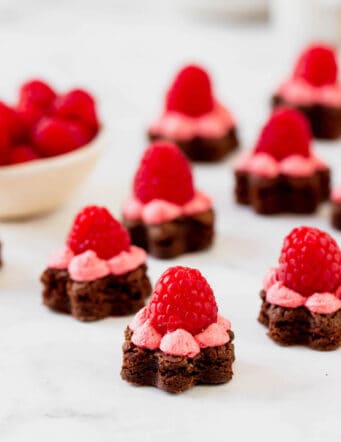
<point>164,173</point>
<point>22,154</point>
<point>317,65</point>
<point>79,106</point>
<point>191,92</point>
<point>11,120</point>
<point>94,228</point>
<point>182,298</point>
<point>53,136</point>
<point>310,261</point>
<point>4,145</point>
<point>37,94</point>
<point>287,132</point>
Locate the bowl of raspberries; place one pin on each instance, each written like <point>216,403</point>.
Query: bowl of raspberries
<point>49,143</point>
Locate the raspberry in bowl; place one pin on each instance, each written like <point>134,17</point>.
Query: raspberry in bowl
<point>97,273</point>
<point>49,142</point>
<point>194,120</point>
<point>282,173</point>
<point>179,339</point>
<point>165,214</point>
<point>314,89</point>
<point>301,297</point>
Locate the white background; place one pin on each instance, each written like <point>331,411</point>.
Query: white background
<point>59,378</point>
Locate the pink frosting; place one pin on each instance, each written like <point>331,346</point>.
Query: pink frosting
<point>175,125</point>
<point>298,91</point>
<point>159,211</point>
<point>179,343</point>
<point>139,319</point>
<point>270,278</point>
<point>88,267</point>
<point>265,165</point>
<point>296,165</point>
<point>127,261</point>
<point>323,303</point>
<point>60,259</point>
<point>223,322</point>
<point>336,195</point>
<point>146,337</point>
<point>278,294</point>
<point>213,336</point>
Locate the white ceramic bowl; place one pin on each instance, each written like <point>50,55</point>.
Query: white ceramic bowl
<point>40,186</point>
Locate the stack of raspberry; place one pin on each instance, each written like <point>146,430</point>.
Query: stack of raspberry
<point>44,124</point>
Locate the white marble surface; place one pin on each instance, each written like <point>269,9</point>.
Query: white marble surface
<point>59,379</point>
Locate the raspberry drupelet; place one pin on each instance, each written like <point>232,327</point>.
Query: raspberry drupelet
<point>179,339</point>
<point>165,214</point>
<point>301,297</point>
<point>98,273</point>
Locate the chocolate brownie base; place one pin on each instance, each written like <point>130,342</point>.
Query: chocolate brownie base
<point>173,238</point>
<point>325,121</point>
<point>204,149</point>
<point>336,215</point>
<point>213,365</point>
<point>299,326</point>
<point>89,301</point>
<point>283,193</point>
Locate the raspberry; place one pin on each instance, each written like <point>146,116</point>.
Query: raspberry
<point>191,92</point>
<point>53,136</point>
<point>164,173</point>
<point>36,93</point>
<point>4,145</point>
<point>182,298</point>
<point>29,115</point>
<point>22,154</point>
<point>310,261</point>
<point>10,119</point>
<point>287,132</point>
<point>94,228</point>
<point>317,65</point>
<point>79,106</point>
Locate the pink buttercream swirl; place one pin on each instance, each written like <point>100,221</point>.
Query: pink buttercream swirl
<point>159,211</point>
<point>300,92</point>
<point>60,259</point>
<point>88,267</point>
<point>278,294</point>
<point>175,125</point>
<point>179,342</point>
<point>336,195</point>
<point>262,164</point>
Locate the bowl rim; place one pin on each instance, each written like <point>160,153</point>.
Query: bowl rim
<point>59,160</point>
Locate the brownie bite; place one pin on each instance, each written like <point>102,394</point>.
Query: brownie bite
<point>192,118</point>
<point>301,297</point>
<point>314,89</point>
<point>98,273</point>
<point>282,173</point>
<point>165,214</point>
<point>179,340</point>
